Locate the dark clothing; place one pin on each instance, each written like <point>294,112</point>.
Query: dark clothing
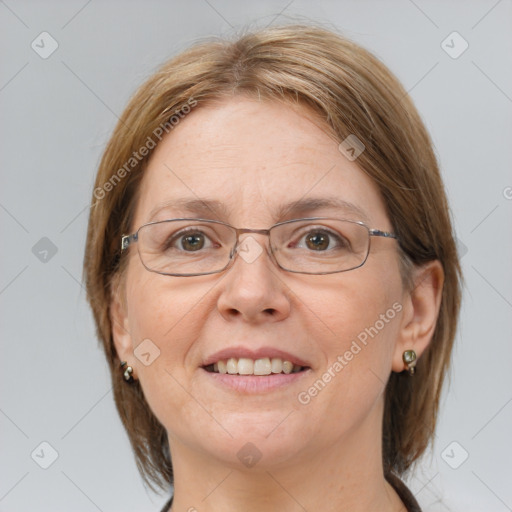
<point>401,489</point>
<point>405,494</point>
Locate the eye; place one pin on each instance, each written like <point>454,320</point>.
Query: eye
<point>193,242</point>
<point>317,240</point>
<point>190,240</point>
<point>322,239</point>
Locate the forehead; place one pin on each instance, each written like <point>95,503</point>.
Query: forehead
<point>251,163</point>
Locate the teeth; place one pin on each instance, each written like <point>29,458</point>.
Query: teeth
<point>245,366</point>
<point>287,367</point>
<point>263,366</point>
<point>232,366</point>
<point>277,365</point>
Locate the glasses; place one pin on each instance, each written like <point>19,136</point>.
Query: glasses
<point>195,247</point>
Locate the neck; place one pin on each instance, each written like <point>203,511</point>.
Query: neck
<point>345,476</point>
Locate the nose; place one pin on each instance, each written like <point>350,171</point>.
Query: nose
<point>253,289</point>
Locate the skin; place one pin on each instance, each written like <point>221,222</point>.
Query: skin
<point>326,455</point>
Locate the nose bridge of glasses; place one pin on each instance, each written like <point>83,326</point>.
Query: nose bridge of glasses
<point>249,232</point>
<point>241,231</point>
<point>248,247</point>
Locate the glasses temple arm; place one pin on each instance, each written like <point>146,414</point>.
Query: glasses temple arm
<point>386,234</point>
<point>126,240</point>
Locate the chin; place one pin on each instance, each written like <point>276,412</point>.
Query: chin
<point>257,454</point>
<point>259,440</point>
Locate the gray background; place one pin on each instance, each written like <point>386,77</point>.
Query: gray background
<point>57,114</point>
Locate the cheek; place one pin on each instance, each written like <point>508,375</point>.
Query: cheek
<point>164,321</point>
<point>357,322</point>
<point>357,307</point>
<point>164,309</point>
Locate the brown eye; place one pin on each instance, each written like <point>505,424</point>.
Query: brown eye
<point>322,240</point>
<point>193,242</point>
<point>317,241</point>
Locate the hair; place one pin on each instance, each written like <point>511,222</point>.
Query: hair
<point>353,93</point>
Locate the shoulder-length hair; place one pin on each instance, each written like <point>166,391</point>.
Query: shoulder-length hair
<point>355,94</point>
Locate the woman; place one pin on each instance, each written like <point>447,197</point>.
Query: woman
<point>273,275</point>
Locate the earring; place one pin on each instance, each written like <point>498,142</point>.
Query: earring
<point>409,358</point>
<point>127,374</point>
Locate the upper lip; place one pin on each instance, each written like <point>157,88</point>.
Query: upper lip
<point>251,353</point>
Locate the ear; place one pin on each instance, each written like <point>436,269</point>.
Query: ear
<point>119,322</point>
<point>420,312</point>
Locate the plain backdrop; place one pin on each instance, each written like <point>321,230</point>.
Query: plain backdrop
<point>57,112</point>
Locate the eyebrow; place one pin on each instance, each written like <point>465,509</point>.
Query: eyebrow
<point>214,209</point>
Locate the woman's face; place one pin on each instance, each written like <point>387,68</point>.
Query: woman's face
<point>254,158</point>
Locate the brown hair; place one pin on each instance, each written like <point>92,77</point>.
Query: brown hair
<point>355,94</point>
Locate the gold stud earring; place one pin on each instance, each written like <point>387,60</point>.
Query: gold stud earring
<point>128,371</point>
<point>409,358</point>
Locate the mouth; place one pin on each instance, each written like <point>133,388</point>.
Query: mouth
<point>257,367</point>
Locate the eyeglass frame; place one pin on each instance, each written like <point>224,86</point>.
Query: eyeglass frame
<point>127,240</point>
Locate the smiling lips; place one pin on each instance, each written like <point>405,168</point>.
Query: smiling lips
<point>263,361</point>
<point>247,366</point>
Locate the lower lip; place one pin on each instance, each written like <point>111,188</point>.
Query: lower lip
<point>253,384</point>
